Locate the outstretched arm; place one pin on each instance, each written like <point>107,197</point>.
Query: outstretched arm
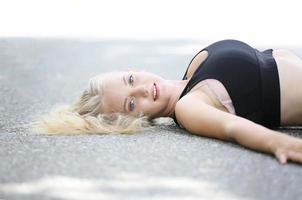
<point>205,120</point>
<point>257,137</point>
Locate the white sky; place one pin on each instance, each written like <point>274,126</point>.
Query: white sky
<point>257,22</point>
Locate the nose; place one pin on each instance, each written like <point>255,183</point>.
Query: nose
<point>139,90</point>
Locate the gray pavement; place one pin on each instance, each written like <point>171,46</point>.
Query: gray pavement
<point>165,163</point>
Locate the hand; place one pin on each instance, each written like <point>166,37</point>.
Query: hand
<point>288,148</point>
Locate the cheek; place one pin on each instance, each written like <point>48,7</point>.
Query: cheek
<point>144,106</point>
<point>113,104</point>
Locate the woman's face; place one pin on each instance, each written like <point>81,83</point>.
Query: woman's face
<point>134,93</point>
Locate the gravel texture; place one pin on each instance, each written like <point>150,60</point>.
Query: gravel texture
<point>165,163</point>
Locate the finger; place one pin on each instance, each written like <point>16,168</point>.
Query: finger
<point>295,156</point>
<point>282,158</point>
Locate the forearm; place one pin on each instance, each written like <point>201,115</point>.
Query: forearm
<point>255,136</point>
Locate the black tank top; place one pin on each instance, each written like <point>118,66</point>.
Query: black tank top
<point>249,76</point>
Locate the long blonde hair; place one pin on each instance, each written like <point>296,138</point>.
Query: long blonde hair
<point>84,116</point>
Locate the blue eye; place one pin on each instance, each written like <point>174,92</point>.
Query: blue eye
<point>131,104</point>
<point>131,79</point>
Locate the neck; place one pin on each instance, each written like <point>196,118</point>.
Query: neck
<point>176,88</point>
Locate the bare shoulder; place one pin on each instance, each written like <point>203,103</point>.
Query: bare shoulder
<point>283,53</point>
<point>197,60</point>
<point>199,117</point>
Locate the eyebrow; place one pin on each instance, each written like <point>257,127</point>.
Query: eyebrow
<point>125,80</point>
<point>125,101</point>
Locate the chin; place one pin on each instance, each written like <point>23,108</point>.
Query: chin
<point>154,116</point>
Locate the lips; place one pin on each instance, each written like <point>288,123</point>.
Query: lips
<point>155,92</point>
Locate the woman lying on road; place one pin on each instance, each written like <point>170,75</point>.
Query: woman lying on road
<point>230,91</point>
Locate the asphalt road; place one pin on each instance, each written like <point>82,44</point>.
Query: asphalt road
<point>165,163</point>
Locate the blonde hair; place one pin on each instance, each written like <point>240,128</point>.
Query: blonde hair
<point>85,116</point>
